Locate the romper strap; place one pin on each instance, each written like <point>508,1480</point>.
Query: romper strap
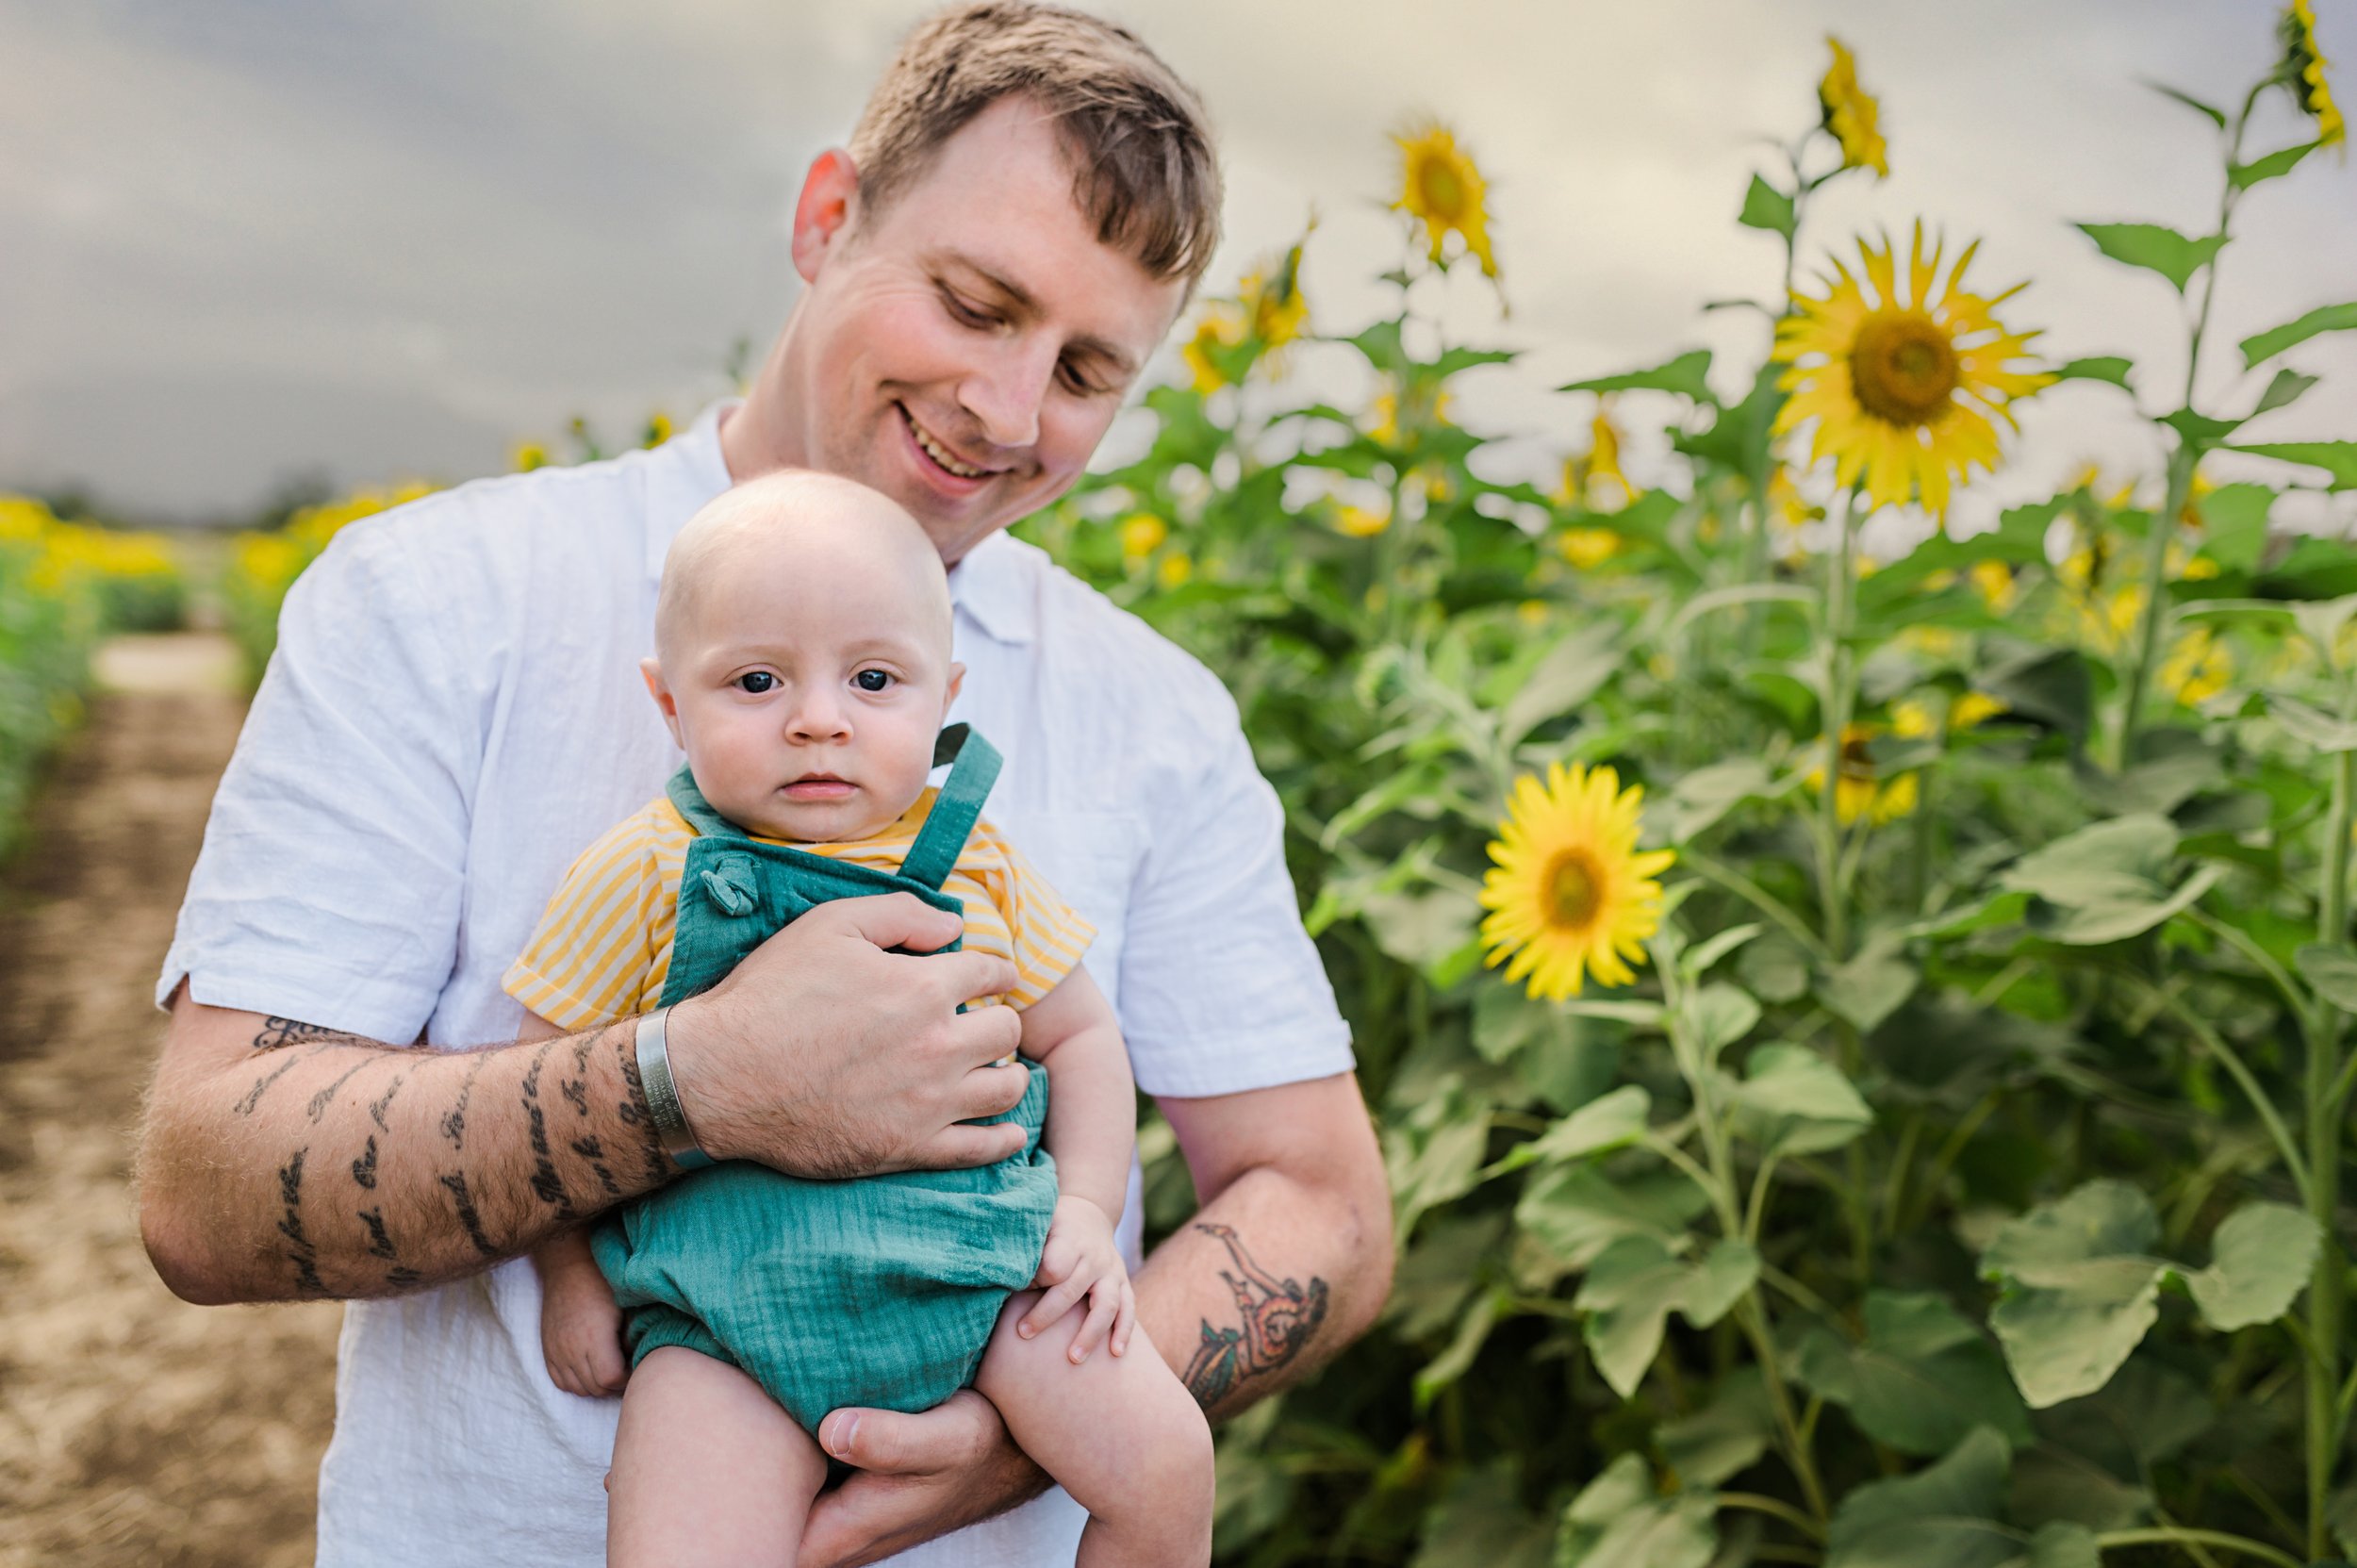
<point>693,807</point>
<point>975,764</point>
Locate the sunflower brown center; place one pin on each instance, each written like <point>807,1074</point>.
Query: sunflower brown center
<point>1904,366</point>
<point>1575,889</point>
<point>1443,192</point>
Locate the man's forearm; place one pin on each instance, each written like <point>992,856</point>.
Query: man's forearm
<point>307,1163</point>
<point>1267,1283</point>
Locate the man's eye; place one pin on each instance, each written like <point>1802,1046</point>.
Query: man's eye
<point>966,313</point>
<point>871,680</point>
<point>757,681</point>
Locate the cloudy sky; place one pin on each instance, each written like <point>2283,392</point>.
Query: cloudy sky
<point>248,240</point>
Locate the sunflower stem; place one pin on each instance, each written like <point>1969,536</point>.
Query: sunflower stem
<point>2328,1286</point>
<point>1841,569</point>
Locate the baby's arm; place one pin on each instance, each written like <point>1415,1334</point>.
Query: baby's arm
<point>581,1327</point>
<point>1092,1122</point>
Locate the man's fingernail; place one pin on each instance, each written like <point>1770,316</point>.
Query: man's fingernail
<point>843,1431</point>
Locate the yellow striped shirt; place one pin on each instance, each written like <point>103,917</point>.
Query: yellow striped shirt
<point>603,950</point>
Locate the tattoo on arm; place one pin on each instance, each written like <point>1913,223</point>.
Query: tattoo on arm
<point>546,1186</point>
<point>262,1086</point>
<point>454,1119</point>
<point>467,1216</point>
<point>364,1168</point>
<point>634,1112</point>
<point>300,1251</point>
<point>326,1097</point>
<point>380,1105</point>
<point>1276,1319</point>
<point>576,1093</point>
<point>380,1242</point>
<point>294,1032</point>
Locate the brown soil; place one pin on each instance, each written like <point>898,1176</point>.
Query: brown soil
<point>134,1428</point>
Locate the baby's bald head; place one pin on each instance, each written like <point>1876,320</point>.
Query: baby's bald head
<point>813,525</point>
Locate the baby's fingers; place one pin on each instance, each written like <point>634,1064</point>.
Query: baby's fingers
<point>1057,1261</point>
<point>1051,1306</point>
<point>1125,1318</point>
<point>1104,1305</point>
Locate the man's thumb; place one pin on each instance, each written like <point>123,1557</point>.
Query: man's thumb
<point>873,1440</point>
<point>900,920</point>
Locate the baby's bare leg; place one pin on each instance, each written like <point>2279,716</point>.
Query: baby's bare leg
<point>707,1469</point>
<point>1121,1433</point>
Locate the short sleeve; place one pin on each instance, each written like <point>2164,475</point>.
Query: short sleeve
<point>1047,934</point>
<point>1222,990</point>
<point>330,883</point>
<point>593,956</point>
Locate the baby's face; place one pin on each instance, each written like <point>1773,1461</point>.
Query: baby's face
<point>809,689</point>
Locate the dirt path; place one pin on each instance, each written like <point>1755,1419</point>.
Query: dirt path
<point>133,1428</point>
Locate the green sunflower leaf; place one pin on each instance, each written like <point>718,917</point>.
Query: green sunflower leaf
<point>2337,458</point>
<point>2287,388</point>
<point>1943,1516</point>
<point>2332,971</point>
<point>2106,367</point>
<point>1686,375</point>
<point>2079,1288</point>
<point>1794,1101</point>
<point>2267,344</point>
<point>2244,175</point>
<point>1633,1287</point>
<point>1924,1380</point>
<point>1621,1521</point>
<point>1766,208</point>
<point>1578,1212</point>
<point>2216,116</point>
<point>2155,247</point>
<point>2262,1257</point>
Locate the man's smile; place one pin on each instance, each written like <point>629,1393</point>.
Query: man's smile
<point>940,455</point>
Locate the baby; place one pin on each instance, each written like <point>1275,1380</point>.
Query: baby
<point>802,642</point>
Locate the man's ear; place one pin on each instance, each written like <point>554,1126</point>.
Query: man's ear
<point>650,669</point>
<point>950,694</point>
<point>823,210</point>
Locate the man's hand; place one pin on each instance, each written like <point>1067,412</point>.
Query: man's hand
<point>918,1477</point>
<point>824,1056</point>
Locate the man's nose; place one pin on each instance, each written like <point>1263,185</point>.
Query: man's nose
<point>1005,392</point>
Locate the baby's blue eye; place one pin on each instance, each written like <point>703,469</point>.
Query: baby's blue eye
<point>757,681</point>
<point>871,680</point>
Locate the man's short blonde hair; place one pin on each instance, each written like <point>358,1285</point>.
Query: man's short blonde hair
<point>1143,167</point>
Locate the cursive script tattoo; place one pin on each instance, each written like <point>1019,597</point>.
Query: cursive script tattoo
<point>383,1102</point>
<point>325,1097</point>
<point>454,1119</point>
<point>1278,1317</point>
<point>633,1111</point>
<point>294,1032</point>
<point>364,1168</point>
<point>262,1086</point>
<point>456,1183</point>
<point>546,1186</point>
<point>299,1248</point>
<point>576,1093</point>
<point>380,1244</point>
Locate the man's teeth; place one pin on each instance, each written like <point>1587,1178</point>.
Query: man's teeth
<point>932,450</point>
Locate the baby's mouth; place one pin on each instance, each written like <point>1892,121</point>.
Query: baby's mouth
<point>819,787</point>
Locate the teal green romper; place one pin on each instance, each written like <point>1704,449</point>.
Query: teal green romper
<point>881,1291</point>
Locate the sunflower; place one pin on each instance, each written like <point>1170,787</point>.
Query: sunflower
<point>1362,523</point>
<point>1441,185</point>
<point>1588,548</point>
<point>1851,114</point>
<point>2303,72</point>
<point>1141,534</point>
<point>658,430</point>
<point>1863,791</point>
<point>529,456</point>
<point>2196,669</point>
<point>1273,302</point>
<point>1571,895</point>
<point>1901,386</point>
<point>1219,332</point>
<point>1595,480</point>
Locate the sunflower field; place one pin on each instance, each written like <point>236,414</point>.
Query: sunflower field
<point>62,585</point>
<point>1860,1044</point>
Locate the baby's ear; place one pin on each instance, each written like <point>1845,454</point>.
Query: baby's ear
<point>949,693</point>
<point>651,670</point>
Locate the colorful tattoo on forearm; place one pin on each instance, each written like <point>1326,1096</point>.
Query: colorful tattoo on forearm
<point>1278,1317</point>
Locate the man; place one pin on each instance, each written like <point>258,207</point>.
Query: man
<point>453,712</point>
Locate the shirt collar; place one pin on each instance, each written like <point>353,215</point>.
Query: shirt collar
<point>991,587</point>
<point>686,472</point>
<point>989,584</point>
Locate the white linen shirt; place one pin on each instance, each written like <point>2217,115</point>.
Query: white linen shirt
<point>455,710</point>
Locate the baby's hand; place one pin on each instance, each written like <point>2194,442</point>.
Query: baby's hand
<point>1082,1261</point>
<point>581,1334</point>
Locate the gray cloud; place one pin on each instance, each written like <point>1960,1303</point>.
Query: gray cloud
<point>252,238</point>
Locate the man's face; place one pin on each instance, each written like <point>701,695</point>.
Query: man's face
<point>964,349</point>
